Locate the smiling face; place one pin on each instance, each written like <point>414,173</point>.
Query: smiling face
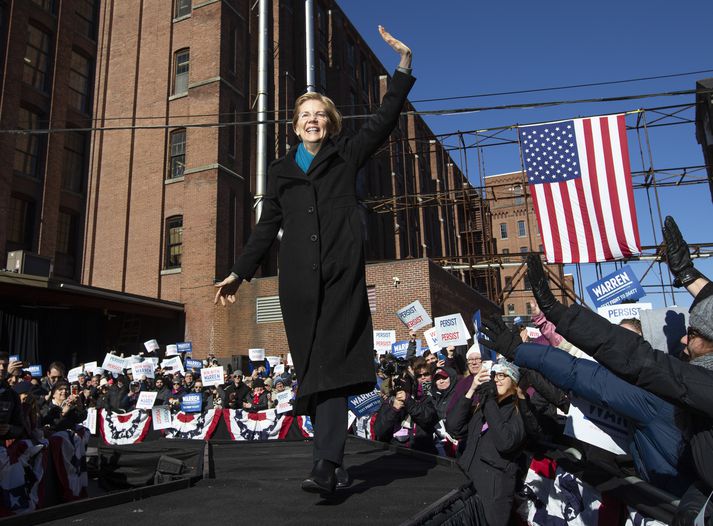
<point>312,125</point>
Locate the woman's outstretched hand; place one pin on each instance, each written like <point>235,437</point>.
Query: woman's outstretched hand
<point>398,46</point>
<point>227,289</point>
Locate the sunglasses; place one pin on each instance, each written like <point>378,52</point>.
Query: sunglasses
<point>692,333</point>
<point>422,375</point>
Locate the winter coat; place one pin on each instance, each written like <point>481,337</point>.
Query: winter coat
<point>490,456</point>
<point>629,356</point>
<point>441,399</point>
<point>656,444</point>
<point>424,420</point>
<point>321,280</point>
<point>51,416</point>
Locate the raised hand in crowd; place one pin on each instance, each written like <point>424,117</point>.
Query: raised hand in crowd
<point>501,339</point>
<point>679,259</point>
<point>536,273</point>
<point>481,378</point>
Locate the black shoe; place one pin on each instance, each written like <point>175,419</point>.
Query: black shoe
<point>322,478</point>
<point>343,478</point>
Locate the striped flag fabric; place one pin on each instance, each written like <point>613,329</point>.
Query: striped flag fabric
<point>580,181</point>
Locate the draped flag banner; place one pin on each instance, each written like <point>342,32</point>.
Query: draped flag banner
<point>198,426</point>
<point>69,454</point>
<point>124,428</point>
<point>580,181</point>
<point>22,466</point>
<point>264,425</point>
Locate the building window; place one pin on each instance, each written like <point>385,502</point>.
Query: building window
<point>47,5</point>
<point>511,309</point>
<point>21,222</point>
<point>80,82</point>
<point>66,233</point>
<point>508,283</point>
<point>322,25</point>
<point>180,72</point>
<point>523,250</point>
<point>28,145</point>
<point>37,58</point>
<point>87,18</point>
<point>527,283</point>
<point>177,163</point>
<point>371,296</point>
<point>174,241</point>
<point>268,310</point>
<point>521,232</point>
<point>182,8</point>
<point>519,198</point>
<point>503,230</point>
<point>233,51</point>
<point>73,170</point>
<point>351,57</point>
<point>232,127</point>
<point>528,308</point>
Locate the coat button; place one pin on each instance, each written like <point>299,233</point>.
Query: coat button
<point>314,266</point>
<point>310,210</point>
<point>313,237</point>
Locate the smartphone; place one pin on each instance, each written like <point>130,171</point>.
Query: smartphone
<point>487,365</point>
<point>75,389</point>
<point>441,356</point>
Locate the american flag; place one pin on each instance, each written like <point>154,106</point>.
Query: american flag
<point>580,182</point>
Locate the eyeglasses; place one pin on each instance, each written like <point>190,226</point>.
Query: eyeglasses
<point>500,376</point>
<point>423,375</point>
<point>692,333</point>
<point>306,115</point>
<point>475,361</point>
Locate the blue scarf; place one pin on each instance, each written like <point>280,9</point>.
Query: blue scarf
<point>303,158</point>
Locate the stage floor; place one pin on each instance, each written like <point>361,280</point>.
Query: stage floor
<point>259,483</point>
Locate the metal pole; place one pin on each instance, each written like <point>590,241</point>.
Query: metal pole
<point>261,154</point>
<point>309,44</point>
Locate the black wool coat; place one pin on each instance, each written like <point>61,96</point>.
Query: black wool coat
<point>322,282</point>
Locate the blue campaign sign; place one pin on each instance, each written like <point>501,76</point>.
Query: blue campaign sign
<point>192,403</point>
<point>364,404</point>
<point>186,347</point>
<point>35,371</point>
<point>193,364</point>
<point>399,349</point>
<point>485,354</point>
<point>616,287</point>
<point>14,358</point>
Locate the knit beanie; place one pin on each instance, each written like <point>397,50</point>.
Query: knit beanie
<point>701,318</point>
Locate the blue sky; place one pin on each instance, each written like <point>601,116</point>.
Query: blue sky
<point>467,47</point>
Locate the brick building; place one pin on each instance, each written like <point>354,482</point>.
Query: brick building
<point>515,228</point>
<point>46,81</point>
<point>172,170</point>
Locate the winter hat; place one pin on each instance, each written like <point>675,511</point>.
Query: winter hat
<point>473,352</point>
<point>508,368</point>
<point>258,382</point>
<point>441,373</point>
<point>22,387</point>
<point>701,318</point>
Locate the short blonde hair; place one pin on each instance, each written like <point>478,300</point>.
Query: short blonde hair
<point>333,115</point>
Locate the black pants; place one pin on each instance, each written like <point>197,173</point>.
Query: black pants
<point>329,420</point>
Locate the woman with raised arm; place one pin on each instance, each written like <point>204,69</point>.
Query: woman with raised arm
<point>311,195</point>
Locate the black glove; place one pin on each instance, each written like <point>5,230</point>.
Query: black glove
<point>550,307</point>
<point>502,340</point>
<point>486,390</point>
<point>678,255</point>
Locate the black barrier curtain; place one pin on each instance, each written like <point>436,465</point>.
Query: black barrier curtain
<point>19,334</point>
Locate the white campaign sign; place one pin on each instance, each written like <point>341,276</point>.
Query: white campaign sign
<point>173,364</point>
<point>90,367</point>
<point>431,337</point>
<point>279,369</point>
<point>211,376</point>
<point>533,333</point>
<point>171,349</point>
<point>256,355</point>
<point>289,360</point>
<point>283,401</point>
<point>451,330</point>
<point>616,313</point>
<point>151,345</point>
<point>597,426</point>
<point>273,360</point>
<point>73,374</point>
<point>383,341</point>
<point>114,364</point>
<point>91,422</point>
<point>146,399</point>
<point>143,369</point>
<point>161,417</point>
<point>414,316</point>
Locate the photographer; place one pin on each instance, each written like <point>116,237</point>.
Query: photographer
<point>405,418</point>
<point>64,410</point>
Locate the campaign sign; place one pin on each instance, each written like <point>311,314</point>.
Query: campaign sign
<point>283,402</point>
<point>171,349</point>
<point>273,361</point>
<point>173,364</point>
<point>161,417</point>
<point>91,421</point>
<point>365,404</point>
<point>193,364</point>
<point>91,367</point>
<point>289,360</point>
<point>73,374</point>
<point>616,313</point>
<point>142,369</point>
<point>279,369</point>
<point>146,399</point>
<point>451,330</point>
<point>14,358</point>
<point>663,328</point>
<point>186,347</point>
<point>616,287</point>
<point>414,316</point>
<point>431,337</point>
<point>598,426</point>
<point>256,355</point>
<point>383,341</point>
<point>114,364</point>
<point>211,376</point>
<point>192,403</point>
<point>151,345</point>
<point>485,353</point>
<point>35,371</point>
<point>533,333</point>
<point>399,349</point>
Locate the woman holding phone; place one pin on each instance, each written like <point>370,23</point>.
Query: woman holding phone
<point>494,433</point>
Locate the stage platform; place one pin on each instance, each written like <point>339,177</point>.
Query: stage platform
<point>259,483</point>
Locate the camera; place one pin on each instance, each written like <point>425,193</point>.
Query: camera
<point>392,366</point>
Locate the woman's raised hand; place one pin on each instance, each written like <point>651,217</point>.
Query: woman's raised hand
<point>398,46</point>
